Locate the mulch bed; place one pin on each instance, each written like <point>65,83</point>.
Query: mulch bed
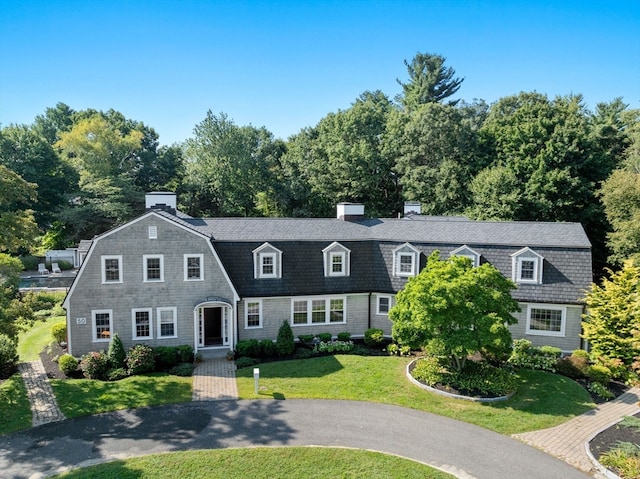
<point>49,359</point>
<point>609,438</point>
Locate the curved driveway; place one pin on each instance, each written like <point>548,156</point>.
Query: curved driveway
<point>462,449</point>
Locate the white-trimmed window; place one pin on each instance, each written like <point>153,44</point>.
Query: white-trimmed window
<point>167,322</point>
<point>308,311</point>
<point>467,253</point>
<point>383,305</point>
<point>405,260</point>
<point>253,314</point>
<point>336,260</point>
<point>267,262</point>
<point>141,326</point>
<point>153,268</point>
<point>153,232</point>
<point>546,319</point>
<point>101,325</point>
<point>111,268</point>
<point>527,266</point>
<point>193,270</point>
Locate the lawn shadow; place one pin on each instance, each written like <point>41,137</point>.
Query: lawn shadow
<point>296,368</point>
<point>546,393</point>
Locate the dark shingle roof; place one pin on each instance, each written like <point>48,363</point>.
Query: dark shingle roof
<point>431,230</point>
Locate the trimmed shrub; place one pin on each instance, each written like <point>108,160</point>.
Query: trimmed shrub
<point>182,369</point>
<point>566,367</point>
<point>344,336</point>
<point>325,337</point>
<point>333,347</point>
<point>246,362</point>
<point>59,332</point>
<point>306,338</point>
<point>248,348</point>
<point>141,359</point>
<point>116,374</point>
<point>429,370</point>
<point>116,353</point>
<point>374,338</point>
<point>185,353</point>
<point>8,356</point>
<point>268,349</point>
<point>580,353</point>
<point>599,374</point>
<point>30,263</point>
<point>68,364</point>
<point>285,344</point>
<point>525,355</point>
<point>94,365</point>
<point>166,357</point>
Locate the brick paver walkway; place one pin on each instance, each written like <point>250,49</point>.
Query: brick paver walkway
<point>44,407</point>
<point>215,379</point>
<point>568,441</point>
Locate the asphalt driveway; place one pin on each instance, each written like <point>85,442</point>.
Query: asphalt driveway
<point>462,449</point>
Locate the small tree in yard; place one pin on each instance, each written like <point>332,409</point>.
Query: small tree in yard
<point>285,344</point>
<point>612,326</point>
<point>460,308</point>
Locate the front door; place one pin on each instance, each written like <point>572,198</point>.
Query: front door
<point>213,327</point>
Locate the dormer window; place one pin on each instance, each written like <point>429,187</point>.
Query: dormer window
<point>467,253</point>
<point>405,260</point>
<point>267,262</point>
<point>527,266</point>
<point>336,260</point>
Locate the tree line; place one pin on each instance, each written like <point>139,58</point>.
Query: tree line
<point>73,174</point>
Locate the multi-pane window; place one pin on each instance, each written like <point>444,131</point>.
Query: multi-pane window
<point>336,311</point>
<point>193,267</point>
<point>111,269</point>
<point>383,304</point>
<point>153,268</point>
<point>167,322</point>
<point>300,312</point>
<point>268,265</point>
<point>318,311</point>
<point>101,325</point>
<point>253,314</point>
<point>545,320</point>
<point>405,263</point>
<point>141,324</point>
<point>337,263</point>
<point>527,269</point>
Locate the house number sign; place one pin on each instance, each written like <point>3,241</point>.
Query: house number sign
<point>81,320</point>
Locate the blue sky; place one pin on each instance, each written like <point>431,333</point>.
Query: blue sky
<point>287,64</point>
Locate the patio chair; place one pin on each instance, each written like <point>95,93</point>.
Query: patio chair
<point>55,268</point>
<point>42,269</point>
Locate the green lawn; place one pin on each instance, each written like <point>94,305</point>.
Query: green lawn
<point>262,463</point>
<point>35,339</point>
<point>15,410</point>
<point>81,397</point>
<point>543,399</point>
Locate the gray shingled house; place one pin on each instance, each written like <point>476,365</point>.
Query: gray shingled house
<point>165,278</point>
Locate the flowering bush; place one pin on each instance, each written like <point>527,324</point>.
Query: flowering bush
<point>141,359</point>
<point>94,365</point>
<point>333,346</point>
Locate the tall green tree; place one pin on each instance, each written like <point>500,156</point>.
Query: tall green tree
<point>18,228</point>
<point>226,167</point>
<point>429,81</point>
<point>495,195</point>
<point>612,325</point>
<point>345,160</point>
<point>15,314</point>
<point>436,155</point>
<point>464,309</point>
<point>27,153</point>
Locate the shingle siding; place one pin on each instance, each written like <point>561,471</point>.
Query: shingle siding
<point>371,243</point>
